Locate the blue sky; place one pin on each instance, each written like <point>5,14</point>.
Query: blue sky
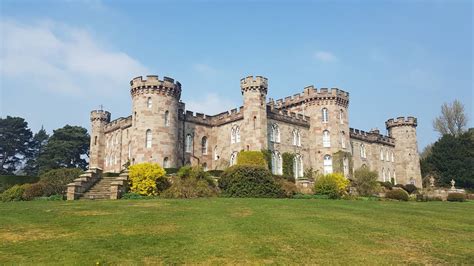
<point>61,59</point>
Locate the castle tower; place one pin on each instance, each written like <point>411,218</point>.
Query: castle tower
<point>99,119</point>
<point>254,127</point>
<point>155,124</point>
<point>407,160</point>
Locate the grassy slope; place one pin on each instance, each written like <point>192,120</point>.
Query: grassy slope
<point>236,230</point>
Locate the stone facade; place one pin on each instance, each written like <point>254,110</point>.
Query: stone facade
<point>312,125</point>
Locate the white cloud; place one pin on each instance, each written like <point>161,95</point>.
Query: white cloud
<point>58,58</point>
<point>325,56</point>
<point>205,69</point>
<point>210,104</point>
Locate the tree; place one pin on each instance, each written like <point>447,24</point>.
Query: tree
<point>67,148</point>
<point>36,147</point>
<point>366,181</point>
<point>452,157</point>
<point>452,120</point>
<point>14,140</point>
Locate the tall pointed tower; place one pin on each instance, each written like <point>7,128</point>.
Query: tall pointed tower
<point>254,131</point>
<point>407,159</point>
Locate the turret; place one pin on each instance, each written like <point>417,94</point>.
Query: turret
<point>155,105</point>
<point>99,118</point>
<point>407,160</point>
<point>254,127</point>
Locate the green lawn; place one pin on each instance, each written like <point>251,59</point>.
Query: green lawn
<point>236,231</point>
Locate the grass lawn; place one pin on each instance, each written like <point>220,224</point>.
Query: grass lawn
<point>236,231</point>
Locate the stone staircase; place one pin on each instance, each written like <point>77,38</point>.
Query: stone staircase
<point>100,190</point>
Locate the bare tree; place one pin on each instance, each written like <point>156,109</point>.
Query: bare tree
<point>452,120</point>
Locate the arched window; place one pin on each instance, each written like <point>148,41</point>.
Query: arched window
<point>327,164</point>
<point>204,166</point>
<point>384,178</point>
<point>275,134</point>
<point>277,164</point>
<point>235,134</point>
<point>325,115</point>
<point>129,150</point>
<point>204,145</point>
<point>106,160</point>
<point>189,143</point>
<point>343,140</point>
<point>149,102</point>
<point>135,119</point>
<point>389,176</point>
<point>298,166</point>
<point>148,139</point>
<point>117,139</point>
<point>296,138</point>
<point>341,116</point>
<point>345,166</point>
<point>233,158</point>
<point>95,140</point>
<point>394,178</point>
<point>381,154</point>
<point>166,163</point>
<point>362,151</point>
<point>326,139</point>
<point>115,159</point>
<point>167,118</point>
<point>393,158</point>
<point>216,155</point>
<point>387,156</point>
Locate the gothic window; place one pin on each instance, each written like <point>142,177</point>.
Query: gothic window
<point>216,155</point>
<point>381,154</point>
<point>296,138</point>
<point>233,158</point>
<point>275,134</point>
<point>277,164</point>
<point>106,160</point>
<point>298,166</point>
<point>95,140</point>
<point>148,139</point>
<point>129,150</point>
<point>204,145</point>
<point>204,166</point>
<point>389,177</point>
<point>343,140</point>
<point>394,178</point>
<point>393,158</point>
<point>387,158</point>
<point>383,175</point>
<point>189,143</point>
<point>166,162</point>
<point>341,116</point>
<point>235,134</point>
<point>149,102</point>
<point>326,139</point>
<point>325,114</point>
<point>362,151</point>
<point>345,166</point>
<point>327,164</point>
<point>115,159</point>
<point>167,118</point>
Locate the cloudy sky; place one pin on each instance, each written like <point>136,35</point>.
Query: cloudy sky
<point>61,59</point>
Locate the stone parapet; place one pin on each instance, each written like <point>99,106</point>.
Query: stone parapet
<point>119,123</point>
<point>401,121</point>
<point>289,117</point>
<point>83,183</point>
<point>254,83</point>
<point>100,115</point>
<point>371,137</point>
<point>167,86</point>
<point>119,186</point>
<point>311,94</point>
<point>213,120</point>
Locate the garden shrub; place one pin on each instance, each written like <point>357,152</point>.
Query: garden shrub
<point>55,181</point>
<point>397,194</point>
<point>288,163</point>
<point>249,181</point>
<point>8,181</point>
<point>162,184</point>
<point>332,185</point>
<point>191,182</point>
<point>34,190</point>
<point>267,154</point>
<point>421,197</point>
<point>170,171</point>
<point>14,193</point>
<point>366,181</point>
<point>386,184</point>
<point>410,188</point>
<point>400,186</point>
<point>289,188</point>
<point>460,197</point>
<point>143,177</point>
<point>256,158</point>
<point>216,173</point>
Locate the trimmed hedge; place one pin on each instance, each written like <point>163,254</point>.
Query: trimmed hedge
<point>8,181</point>
<point>459,197</point>
<point>397,194</point>
<point>14,193</point>
<point>56,180</point>
<point>34,191</point>
<point>247,181</point>
<point>256,158</point>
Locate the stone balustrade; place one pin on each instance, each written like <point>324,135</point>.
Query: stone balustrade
<point>83,183</point>
<point>119,186</point>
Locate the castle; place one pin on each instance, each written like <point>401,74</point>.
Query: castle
<point>313,126</point>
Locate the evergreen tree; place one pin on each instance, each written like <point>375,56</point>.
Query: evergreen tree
<point>68,147</point>
<point>452,157</point>
<point>15,137</point>
<point>39,141</point>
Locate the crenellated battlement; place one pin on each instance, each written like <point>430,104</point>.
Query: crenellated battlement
<point>119,123</point>
<point>401,121</point>
<point>288,117</point>
<point>311,94</point>
<point>100,115</point>
<point>254,83</point>
<point>372,136</point>
<point>214,120</point>
<point>152,84</point>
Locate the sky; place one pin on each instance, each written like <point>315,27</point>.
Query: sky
<point>61,59</point>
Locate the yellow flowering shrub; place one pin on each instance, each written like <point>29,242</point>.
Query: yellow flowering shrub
<point>143,176</point>
<point>332,185</point>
